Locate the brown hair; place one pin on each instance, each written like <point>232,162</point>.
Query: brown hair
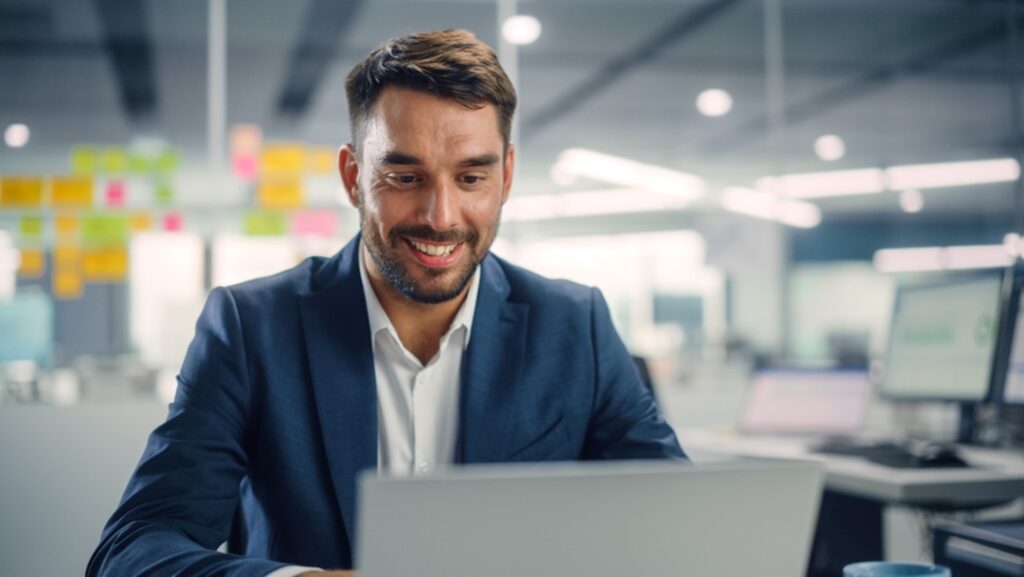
<point>447,63</point>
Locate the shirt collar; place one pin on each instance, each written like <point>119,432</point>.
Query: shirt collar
<point>379,320</point>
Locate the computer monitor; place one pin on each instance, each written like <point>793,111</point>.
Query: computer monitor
<point>806,401</point>
<point>1008,382</point>
<point>942,342</point>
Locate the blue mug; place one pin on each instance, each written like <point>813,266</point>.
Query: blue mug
<point>893,569</point>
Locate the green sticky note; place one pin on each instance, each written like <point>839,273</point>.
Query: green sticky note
<point>84,159</point>
<point>163,193</point>
<point>105,229</point>
<point>139,163</point>
<point>264,224</point>
<point>32,226</point>
<point>113,159</point>
<point>167,161</point>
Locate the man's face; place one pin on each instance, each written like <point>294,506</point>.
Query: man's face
<point>429,184</point>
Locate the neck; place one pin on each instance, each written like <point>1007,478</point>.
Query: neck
<point>420,326</point>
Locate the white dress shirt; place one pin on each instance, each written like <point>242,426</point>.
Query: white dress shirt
<point>417,404</point>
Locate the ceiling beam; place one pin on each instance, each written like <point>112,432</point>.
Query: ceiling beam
<point>126,37</point>
<point>326,23</point>
<point>860,85</point>
<point>613,71</point>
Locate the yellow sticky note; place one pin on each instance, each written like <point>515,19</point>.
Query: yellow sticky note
<point>141,221</point>
<point>283,157</point>
<point>105,264</point>
<point>323,159</point>
<point>33,263</point>
<point>113,159</point>
<point>105,229</point>
<point>31,226</point>
<point>21,192</point>
<point>84,159</point>
<point>71,191</point>
<point>282,192</point>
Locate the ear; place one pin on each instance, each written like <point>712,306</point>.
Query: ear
<point>348,167</point>
<point>510,166</point>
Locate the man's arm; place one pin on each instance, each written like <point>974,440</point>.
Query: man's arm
<point>180,501</point>
<point>625,422</point>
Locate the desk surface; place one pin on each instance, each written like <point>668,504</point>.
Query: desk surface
<point>995,475</point>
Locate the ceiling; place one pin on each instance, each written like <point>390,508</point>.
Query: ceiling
<point>901,81</point>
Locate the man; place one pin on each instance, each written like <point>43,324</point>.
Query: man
<point>411,348</point>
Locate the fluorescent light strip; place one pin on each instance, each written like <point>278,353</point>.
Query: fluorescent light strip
<point>943,258</point>
<point>625,172</point>
<point>769,206</point>
<point>952,174</point>
<point>588,203</point>
<point>895,178</point>
<point>822,184</point>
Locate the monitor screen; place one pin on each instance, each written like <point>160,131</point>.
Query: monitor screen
<point>942,340</point>
<point>806,401</point>
<point>1011,370</point>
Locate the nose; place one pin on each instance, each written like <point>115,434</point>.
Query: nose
<point>441,208</point>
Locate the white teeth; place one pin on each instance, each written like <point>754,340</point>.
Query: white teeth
<point>433,249</point>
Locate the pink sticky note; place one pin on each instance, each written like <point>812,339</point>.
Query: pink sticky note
<point>316,222</point>
<point>173,222</point>
<point>245,166</point>
<point>115,193</point>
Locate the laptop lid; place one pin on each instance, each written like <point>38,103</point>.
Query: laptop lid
<point>591,519</point>
<point>806,402</point>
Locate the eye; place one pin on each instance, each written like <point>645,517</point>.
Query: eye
<point>472,179</point>
<point>403,180</point>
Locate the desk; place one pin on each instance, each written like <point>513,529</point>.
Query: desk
<point>857,490</point>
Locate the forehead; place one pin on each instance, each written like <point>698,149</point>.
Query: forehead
<point>411,120</point>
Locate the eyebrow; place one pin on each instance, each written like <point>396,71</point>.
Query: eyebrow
<point>403,159</point>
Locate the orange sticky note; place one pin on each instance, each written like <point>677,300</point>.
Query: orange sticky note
<point>33,263</point>
<point>323,159</point>
<point>281,192</point>
<point>67,272</point>
<point>21,192</point>
<point>71,191</point>
<point>105,264</point>
<point>66,224</point>
<point>283,157</point>
<point>141,221</point>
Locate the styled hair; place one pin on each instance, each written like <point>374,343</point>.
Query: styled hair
<point>447,63</point>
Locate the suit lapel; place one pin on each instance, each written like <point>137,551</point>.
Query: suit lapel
<point>491,371</point>
<point>340,359</point>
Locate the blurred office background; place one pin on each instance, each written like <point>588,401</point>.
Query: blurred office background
<point>741,178</point>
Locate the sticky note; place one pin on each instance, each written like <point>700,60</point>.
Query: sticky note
<point>115,193</point>
<point>280,192</point>
<point>323,159</point>
<point>245,166</point>
<point>17,192</point>
<point>66,224</point>
<point>84,159</point>
<point>108,264</point>
<point>264,224</point>
<point>283,157</point>
<point>113,159</point>
<point>245,139</point>
<point>33,263</point>
<point>163,193</point>
<point>31,226</point>
<point>71,191</point>
<point>321,222</point>
<point>173,222</point>
<point>67,272</point>
<point>141,221</point>
<point>104,229</point>
<point>167,161</point>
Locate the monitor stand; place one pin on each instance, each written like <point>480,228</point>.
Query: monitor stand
<point>968,419</point>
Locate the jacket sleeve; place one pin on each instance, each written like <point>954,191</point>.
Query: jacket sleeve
<point>179,504</point>
<point>625,422</point>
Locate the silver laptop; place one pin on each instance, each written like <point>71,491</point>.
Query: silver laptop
<point>649,519</point>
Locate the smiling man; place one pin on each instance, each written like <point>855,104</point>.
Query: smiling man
<point>410,349</point>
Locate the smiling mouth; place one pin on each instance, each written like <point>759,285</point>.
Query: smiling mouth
<point>434,249</point>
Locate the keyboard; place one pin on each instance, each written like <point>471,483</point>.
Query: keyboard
<point>894,455</point>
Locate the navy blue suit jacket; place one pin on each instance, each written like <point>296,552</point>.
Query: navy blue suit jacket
<point>276,413</point>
